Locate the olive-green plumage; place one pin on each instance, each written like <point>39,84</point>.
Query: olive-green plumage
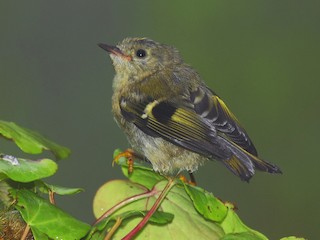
<point>171,117</point>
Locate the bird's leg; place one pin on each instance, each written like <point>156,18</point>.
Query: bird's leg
<point>127,154</point>
<point>130,155</point>
<point>192,180</point>
<point>183,178</point>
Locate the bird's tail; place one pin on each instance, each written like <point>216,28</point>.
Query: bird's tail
<point>243,163</point>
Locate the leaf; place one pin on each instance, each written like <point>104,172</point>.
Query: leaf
<point>187,223</point>
<point>45,218</point>
<point>241,236</point>
<point>114,192</point>
<point>197,213</point>
<point>30,141</point>
<point>206,204</point>
<point>160,217</point>
<point>27,170</point>
<point>101,229</point>
<point>45,188</point>
<point>39,235</point>
<point>293,238</point>
<point>233,226</point>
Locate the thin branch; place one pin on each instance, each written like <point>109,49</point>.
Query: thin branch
<point>25,232</point>
<point>113,229</point>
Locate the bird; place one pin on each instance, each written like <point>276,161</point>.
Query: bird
<point>171,117</point>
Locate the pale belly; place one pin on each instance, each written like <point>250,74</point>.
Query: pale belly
<point>164,156</point>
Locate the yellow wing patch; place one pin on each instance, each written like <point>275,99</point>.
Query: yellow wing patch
<point>219,101</point>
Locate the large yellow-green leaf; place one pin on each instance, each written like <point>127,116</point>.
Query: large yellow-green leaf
<point>197,213</point>
<point>187,222</point>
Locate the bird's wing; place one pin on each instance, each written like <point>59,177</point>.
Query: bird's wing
<point>210,107</point>
<point>179,125</point>
<point>201,123</point>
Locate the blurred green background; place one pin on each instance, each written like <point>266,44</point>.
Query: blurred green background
<point>261,57</point>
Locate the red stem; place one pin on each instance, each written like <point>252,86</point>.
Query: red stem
<point>125,202</point>
<point>151,211</point>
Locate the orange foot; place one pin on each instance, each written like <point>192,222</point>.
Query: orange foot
<point>192,180</point>
<point>130,155</point>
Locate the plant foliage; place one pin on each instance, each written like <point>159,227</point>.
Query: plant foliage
<point>171,208</point>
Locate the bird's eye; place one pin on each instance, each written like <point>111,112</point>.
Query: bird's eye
<point>141,53</point>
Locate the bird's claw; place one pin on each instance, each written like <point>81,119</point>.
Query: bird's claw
<point>129,155</point>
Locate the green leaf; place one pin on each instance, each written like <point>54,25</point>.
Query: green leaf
<point>142,175</point>
<point>45,218</point>
<point>241,236</point>
<point>197,213</point>
<point>39,235</point>
<point>293,238</point>
<point>101,229</point>
<point>114,192</point>
<point>160,217</point>
<point>233,227</point>
<point>206,204</point>
<point>177,203</point>
<point>27,170</point>
<point>45,188</point>
<point>30,141</point>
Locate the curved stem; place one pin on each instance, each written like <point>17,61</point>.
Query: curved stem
<point>25,232</point>
<point>155,206</point>
<point>125,202</point>
<point>113,229</point>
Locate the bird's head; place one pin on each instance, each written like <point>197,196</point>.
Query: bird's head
<point>139,57</point>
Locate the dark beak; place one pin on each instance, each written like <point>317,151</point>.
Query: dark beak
<point>113,50</point>
<point>110,49</point>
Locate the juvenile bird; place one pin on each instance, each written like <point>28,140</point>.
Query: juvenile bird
<point>171,117</point>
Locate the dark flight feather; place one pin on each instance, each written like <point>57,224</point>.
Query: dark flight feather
<point>212,108</point>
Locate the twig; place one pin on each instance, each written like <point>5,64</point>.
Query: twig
<point>51,197</point>
<point>25,232</point>
<point>113,229</point>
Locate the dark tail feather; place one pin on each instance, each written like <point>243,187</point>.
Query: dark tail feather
<point>239,168</point>
<point>243,163</point>
<point>265,166</point>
